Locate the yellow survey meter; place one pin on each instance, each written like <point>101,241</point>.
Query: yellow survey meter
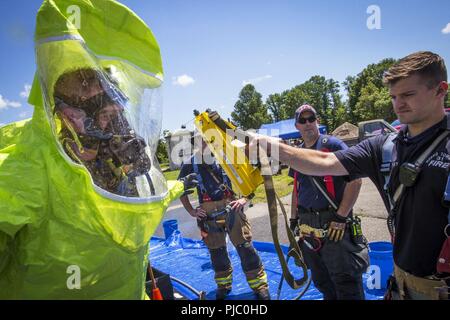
<point>220,135</point>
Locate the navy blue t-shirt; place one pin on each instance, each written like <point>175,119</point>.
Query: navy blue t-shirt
<point>422,217</point>
<point>308,195</point>
<point>211,187</point>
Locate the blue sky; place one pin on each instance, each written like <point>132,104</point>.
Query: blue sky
<point>210,49</point>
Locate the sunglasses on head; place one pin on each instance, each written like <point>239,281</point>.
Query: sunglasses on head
<point>309,119</point>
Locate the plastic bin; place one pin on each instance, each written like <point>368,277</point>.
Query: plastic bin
<point>380,254</point>
<point>169,226</point>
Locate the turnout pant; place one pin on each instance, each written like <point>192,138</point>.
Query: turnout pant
<point>238,229</point>
<point>337,267</point>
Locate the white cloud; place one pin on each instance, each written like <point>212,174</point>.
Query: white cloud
<point>15,104</point>
<point>23,115</point>
<point>183,80</point>
<point>256,80</point>
<point>5,103</point>
<point>26,91</point>
<point>446,30</point>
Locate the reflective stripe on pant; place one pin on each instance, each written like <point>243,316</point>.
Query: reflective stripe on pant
<point>240,235</point>
<point>257,279</point>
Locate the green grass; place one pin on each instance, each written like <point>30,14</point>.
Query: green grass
<point>171,175</point>
<point>283,185</point>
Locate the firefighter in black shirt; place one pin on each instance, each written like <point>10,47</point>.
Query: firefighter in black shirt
<point>418,176</point>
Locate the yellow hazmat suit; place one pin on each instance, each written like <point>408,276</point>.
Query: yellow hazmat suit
<point>63,234</point>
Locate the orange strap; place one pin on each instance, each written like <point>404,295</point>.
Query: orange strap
<point>329,183</point>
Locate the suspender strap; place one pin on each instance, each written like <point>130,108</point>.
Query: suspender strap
<point>326,186</point>
<point>324,192</point>
<point>222,185</point>
<point>199,176</point>
<point>328,180</point>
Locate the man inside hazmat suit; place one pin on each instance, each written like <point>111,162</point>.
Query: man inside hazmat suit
<point>80,189</point>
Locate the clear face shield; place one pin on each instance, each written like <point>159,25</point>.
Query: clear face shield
<point>104,120</point>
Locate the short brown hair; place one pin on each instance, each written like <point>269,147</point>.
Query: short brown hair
<point>428,65</point>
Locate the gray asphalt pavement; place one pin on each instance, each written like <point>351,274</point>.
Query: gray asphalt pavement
<point>369,207</point>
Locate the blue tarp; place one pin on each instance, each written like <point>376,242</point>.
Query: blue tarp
<point>189,261</point>
<point>285,129</point>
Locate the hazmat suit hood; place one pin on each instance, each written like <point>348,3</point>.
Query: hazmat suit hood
<point>81,192</point>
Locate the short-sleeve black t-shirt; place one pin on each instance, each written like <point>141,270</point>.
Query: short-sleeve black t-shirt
<point>308,196</point>
<point>208,184</point>
<point>422,218</point>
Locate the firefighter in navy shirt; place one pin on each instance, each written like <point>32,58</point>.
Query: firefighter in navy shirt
<point>415,188</point>
<point>336,264</point>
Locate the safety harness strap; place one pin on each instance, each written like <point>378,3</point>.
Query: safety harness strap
<point>326,187</point>
<point>324,192</point>
<point>199,176</point>
<point>222,185</point>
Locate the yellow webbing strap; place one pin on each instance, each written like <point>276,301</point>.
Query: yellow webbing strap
<point>295,251</point>
<point>308,231</point>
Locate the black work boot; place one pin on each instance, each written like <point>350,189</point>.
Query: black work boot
<point>262,294</point>
<point>222,293</point>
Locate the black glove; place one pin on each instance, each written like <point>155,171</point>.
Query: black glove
<point>189,182</point>
<point>336,227</point>
<point>293,224</point>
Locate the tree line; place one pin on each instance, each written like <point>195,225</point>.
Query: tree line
<point>367,98</point>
